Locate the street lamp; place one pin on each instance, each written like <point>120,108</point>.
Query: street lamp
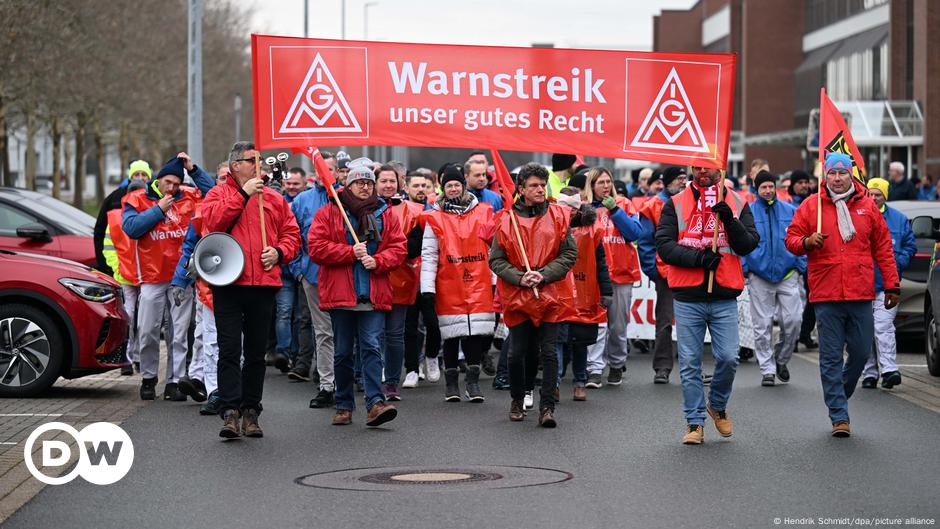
<point>238,116</point>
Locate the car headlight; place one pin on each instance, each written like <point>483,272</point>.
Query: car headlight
<point>89,290</point>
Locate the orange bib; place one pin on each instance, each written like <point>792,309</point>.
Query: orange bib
<point>464,281</point>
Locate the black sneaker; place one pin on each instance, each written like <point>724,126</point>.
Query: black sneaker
<point>809,343</point>
<point>783,373</point>
<point>594,381</point>
<point>890,379</point>
<point>137,367</point>
<point>501,383</point>
<point>324,399</point>
<point>768,380</point>
<point>870,383</point>
<point>706,378</point>
<point>127,370</point>
<point>615,376</point>
<point>298,375</point>
<point>193,388</point>
<point>148,389</point>
<point>662,376</point>
<point>212,406</point>
<point>281,362</point>
<point>172,392</point>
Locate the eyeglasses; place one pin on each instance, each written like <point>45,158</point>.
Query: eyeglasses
<point>251,160</point>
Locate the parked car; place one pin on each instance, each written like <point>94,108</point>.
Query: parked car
<point>57,318</point>
<point>927,227</point>
<point>909,321</point>
<point>36,223</point>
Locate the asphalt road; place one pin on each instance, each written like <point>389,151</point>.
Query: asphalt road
<point>621,448</point>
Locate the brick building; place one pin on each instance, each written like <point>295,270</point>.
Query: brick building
<point>871,55</point>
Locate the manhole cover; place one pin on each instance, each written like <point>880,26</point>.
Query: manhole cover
<point>434,479</point>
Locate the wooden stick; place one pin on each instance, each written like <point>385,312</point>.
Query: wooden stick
<point>264,235</point>
<point>721,197</point>
<point>342,210</point>
<point>525,258</point>
<point>819,206</point>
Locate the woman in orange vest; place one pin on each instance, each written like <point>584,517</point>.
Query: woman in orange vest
<point>454,272</point>
<point>619,225</point>
<point>592,288</point>
<point>404,279</point>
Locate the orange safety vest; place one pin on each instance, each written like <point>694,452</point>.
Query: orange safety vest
<point>159,251</point>
<point>729,274</point>
<point>202,288</point>
<point>587,300</point>
<point>622,260</point>
<point>542,237</point>
<point>464,281</point>
<point>124,246</point>
<point>404,279</point>
<point>653,209</point>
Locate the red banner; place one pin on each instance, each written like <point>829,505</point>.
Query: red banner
<point>667,107</point>
<point>835,135</point>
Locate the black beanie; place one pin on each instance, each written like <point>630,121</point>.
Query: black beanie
<point>798,175</point>
<point>764,176</point>
<point>579,178</point>
<point>657,175</point>
<point>671,173</point>
<point>452,171</point>
<point>562,162</point>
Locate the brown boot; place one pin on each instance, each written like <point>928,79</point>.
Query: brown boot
<point>381,413</point>
<point>841,429</point>
<point>250,425</point>
<point>722,422</point>
<point>342,417</point>
<point>694,435</point>
<point>580,393</point>
<point>547,418</point>
<point>231,428</point>
<point>516,411</point>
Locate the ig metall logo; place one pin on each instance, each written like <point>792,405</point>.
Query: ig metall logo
<point>105,453</point>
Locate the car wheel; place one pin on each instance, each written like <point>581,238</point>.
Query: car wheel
<point>31,351</point>
<point>933,342</point>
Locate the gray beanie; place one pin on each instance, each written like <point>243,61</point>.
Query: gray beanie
<point>361,169</point>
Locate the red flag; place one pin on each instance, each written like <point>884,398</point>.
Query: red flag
<point>835,135</point>
<point>323,170</point>
<point>579,160</point>
<point>506,186</point>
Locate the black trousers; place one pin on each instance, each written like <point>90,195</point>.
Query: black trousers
<point>527,345</point>
<point>809,316</point>
<point>663,352</point>
<point>242,316</point>
<point>472,350</point>
<point>432,338</point>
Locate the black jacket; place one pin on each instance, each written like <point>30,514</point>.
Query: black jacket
<point>903,190</point>
<point>112,201</point>
<point>742,237</point>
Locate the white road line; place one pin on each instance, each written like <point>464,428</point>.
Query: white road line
<point>912,365</point>
<point>7,443</point>
<point>30,414</point>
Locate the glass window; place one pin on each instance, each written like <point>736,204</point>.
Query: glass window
<point>72,220</point>
<point>12,218</point>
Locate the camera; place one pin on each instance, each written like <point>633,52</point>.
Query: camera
<point>278,166</point>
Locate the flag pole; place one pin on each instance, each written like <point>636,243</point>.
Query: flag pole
<point>309,152</point>
<point>525,258</point>
<point>342,210</point>
<point>721,197</point>
<point>819,193</point>
<point>501,174</point>
<point>264,235</point>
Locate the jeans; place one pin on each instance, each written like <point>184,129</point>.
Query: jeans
<point>286,303</point>
<point>241,313</point>
<point>366,328</point>
<point>303,324</point>
<point>579,355</point>
<point>664,313</point>
<point>393,343</point>
<point>843,325</point>
<point>721,319</point>
<point>529,344</point>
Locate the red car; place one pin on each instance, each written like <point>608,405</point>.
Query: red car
<point>37,223</point>
<point>57,318</point>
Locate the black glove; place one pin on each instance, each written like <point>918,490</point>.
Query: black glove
<point>709,260</point>
<point>723,210</point>
<point>430,298</point>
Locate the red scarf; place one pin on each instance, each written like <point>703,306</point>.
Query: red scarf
<point>698,234</point>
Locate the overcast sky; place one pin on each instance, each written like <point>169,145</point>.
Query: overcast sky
<point>613,24</point>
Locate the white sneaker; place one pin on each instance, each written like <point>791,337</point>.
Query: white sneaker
<point>434,370</point>
<point>411,380</point>
<point>421,375</point>
<point>529,401</point>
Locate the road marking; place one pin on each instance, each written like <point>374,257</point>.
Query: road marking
<point>8,443</point>
<point>912,365</point>
<point>30,414</point>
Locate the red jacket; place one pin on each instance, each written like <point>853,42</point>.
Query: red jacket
<point>844,271</point>
<point>328,247</point>
<point>226,204</point>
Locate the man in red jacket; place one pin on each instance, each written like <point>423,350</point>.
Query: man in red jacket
<point>841,264</point>
<point>243,310</point>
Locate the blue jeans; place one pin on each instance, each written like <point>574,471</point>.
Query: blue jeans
<point>721,319</point>
<point>393,343</point>
<point>285,304</point>
<point>578,357</point>
<point>849,325</point>
<point>366,328</point>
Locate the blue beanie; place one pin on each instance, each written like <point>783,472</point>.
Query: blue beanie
<point>837,160</point>
<point>173,166</point>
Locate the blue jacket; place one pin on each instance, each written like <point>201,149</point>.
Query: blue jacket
<point>305,206</point>
<point>903,241</point>
<point>490,197</point>
<point>771,260</point>
<point>181,278</point>
<point>646,242</point>
<point>137,224</point>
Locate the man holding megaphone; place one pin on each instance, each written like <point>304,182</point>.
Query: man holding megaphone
<point>261,221</point>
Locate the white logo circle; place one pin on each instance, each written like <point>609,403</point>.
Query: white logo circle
<point>105,453</point>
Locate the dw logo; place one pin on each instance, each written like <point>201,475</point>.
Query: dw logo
<point>105,453</point>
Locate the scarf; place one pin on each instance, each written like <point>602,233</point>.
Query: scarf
<point>457,206</point>
<point>701,226</point>
<point>363,210</point>
<point>846,226</point>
